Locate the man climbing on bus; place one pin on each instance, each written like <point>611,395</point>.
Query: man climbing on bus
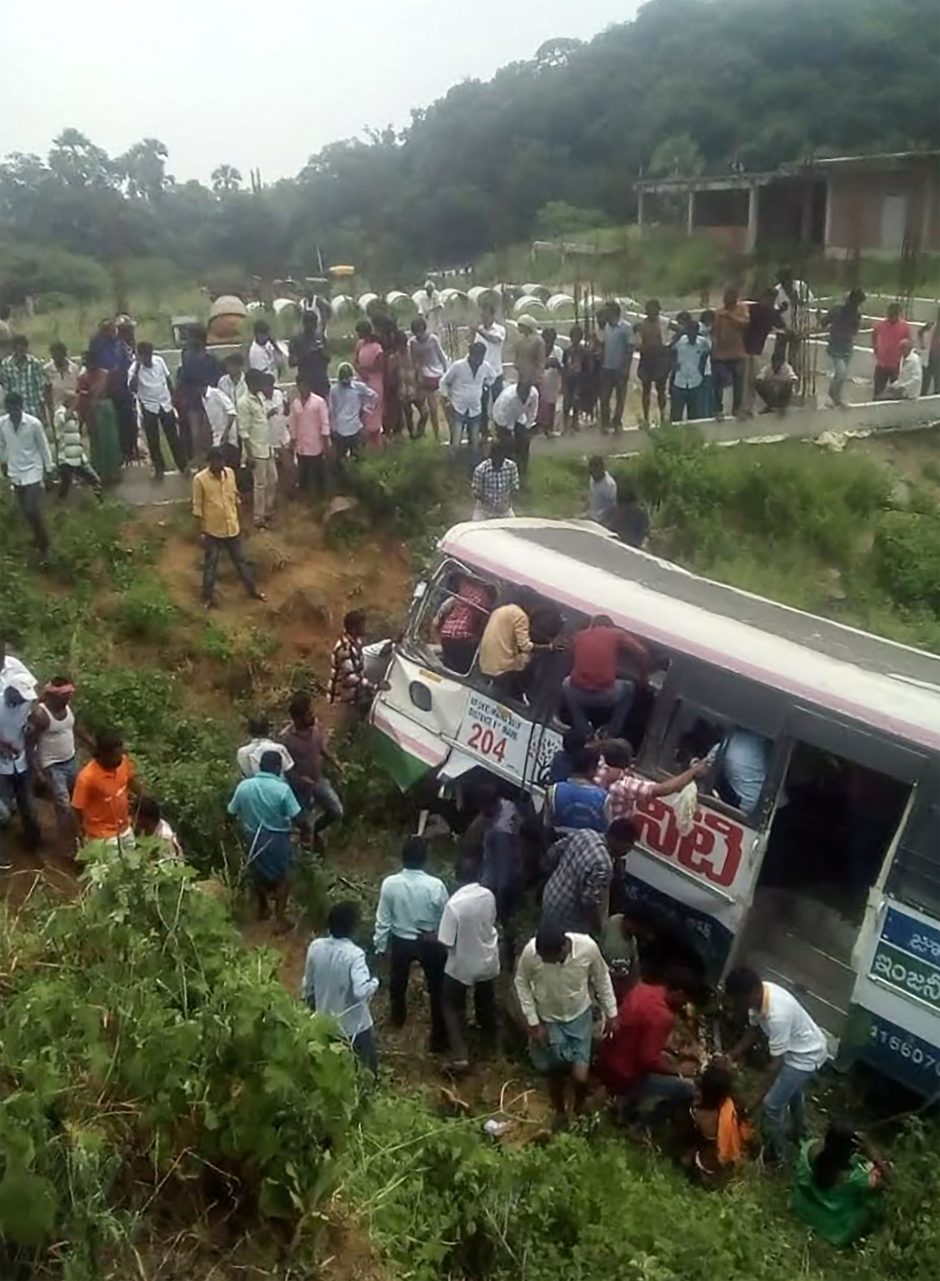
<point>594,691</point>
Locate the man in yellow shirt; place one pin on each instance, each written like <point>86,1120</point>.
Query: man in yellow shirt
<point>215,505</point>
<point>507,646</point>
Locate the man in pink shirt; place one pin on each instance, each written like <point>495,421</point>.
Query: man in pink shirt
<point>308,424</point>
<point>887,337</point>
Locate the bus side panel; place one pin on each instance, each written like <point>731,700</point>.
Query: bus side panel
<point>713,936</point>
<point>895,1022</point>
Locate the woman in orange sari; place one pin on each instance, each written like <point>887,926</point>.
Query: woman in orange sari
<point>370,366</point>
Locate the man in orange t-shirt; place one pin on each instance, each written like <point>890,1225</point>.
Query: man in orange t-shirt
<point>103,790</point>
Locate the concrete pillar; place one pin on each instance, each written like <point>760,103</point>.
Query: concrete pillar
<point>639,208</point>
<point>750,243</point>
<point>690,214</point>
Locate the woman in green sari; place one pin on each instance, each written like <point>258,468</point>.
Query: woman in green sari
<point>98,415</point>
<point>837,1184</point>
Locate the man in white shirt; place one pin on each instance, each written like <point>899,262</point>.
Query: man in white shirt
<point>149,380</point>
<point>463,387</point>
<point>515,413</point>
<point>776,383</point>
<point>232,383</point>
<point>602,491</point>
<point>25,459</point>
<point>910,380</point>
<point>491,332</point>
<point>798,1049</point>
<point>16,777</point>
<point>264,354</point>
<point>220,415</point>
<point>248,758</point>
<point>468,931</point>
<point>559,979</point>
<point>430,307</point>
<point>337,983</point>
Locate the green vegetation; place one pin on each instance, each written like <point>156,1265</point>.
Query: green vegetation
<point>686,84</point>
<point>152,1065</point>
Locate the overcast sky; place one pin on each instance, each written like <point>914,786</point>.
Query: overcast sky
<point>259,84</point>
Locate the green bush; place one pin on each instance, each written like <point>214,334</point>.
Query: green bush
<point>907,551</point>
<point>148,1056</point>
<point>145,611</point>
<point>407,490</point>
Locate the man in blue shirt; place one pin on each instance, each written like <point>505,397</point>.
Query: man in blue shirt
<point>411,904</point>
<point>617,338</point>
<point>266,807</point>
<point>688,380</point>
<point>337,982</point>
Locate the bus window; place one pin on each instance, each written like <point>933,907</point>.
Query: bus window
<point>612,681</point>
<point>740,758</point>
<point>453,618</point>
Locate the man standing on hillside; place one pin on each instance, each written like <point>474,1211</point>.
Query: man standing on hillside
<point>493,335</point>
<point>463,386</point>
<point>617,352</point>
<point>515,413</point>
<point>149,380</point>
<point>308,354</point>
<point>215,506</point>
<point>494,482</point>
<point>337,983</point>
<point>529,353</point>
<point>22,373</point>
<point>26,460</point>
<point>61,377</point>
<point>468,931</point>
<point>728,352</point>
<point>887,337</point>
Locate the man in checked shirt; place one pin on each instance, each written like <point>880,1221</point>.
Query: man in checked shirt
<point>494,482</point>
<point>576,895</point>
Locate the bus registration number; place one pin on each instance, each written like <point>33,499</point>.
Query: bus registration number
<point>495,733</point>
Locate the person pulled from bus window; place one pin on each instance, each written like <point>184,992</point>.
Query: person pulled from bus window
<point>630,520</point>
<point>798,1049</point>
<point>494,482</point>
<point>408,916</point>
<point>571,743</point>
<point>581,865</point>
<point>430,364</point>
<point>303,740</point>
<point>462,388</point>
<point>719,1132</point>
<point>626,788</point>
<point>560,979</point>
<point>744,762</point>
<point>691,357</point>
<point>266,808</point>
<point>573,362</point>
<point>843,323</point>
<point>71,457</point>
<point>150,823</point>
<point>616,337</point>
<point>248,757</point>
<point>468,931</point>
<point>16,763</point>
<point>460,622</point>
<point>910,379</point>
<point>887,336</point>
<point>26,461</point>
<point>655,363</point>
<point>337,983</point>
<point>350,398</point>
<point>763,317</point>
<point>215,506</point>
<point>594,692</point>
<point>577,802</point>
<point>838,1183</point>
<point>602,491</point>
<point>727,354</point>
<point>515,414</point>
<point>349,685</point>
<point>638,1069</point>
<point>507,645</point>
<point>776,385</point>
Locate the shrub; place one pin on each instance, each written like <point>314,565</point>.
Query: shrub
<point>907,558</point>
<point>148,1056</point>
<point>145,611</point>
<point>407,489</point>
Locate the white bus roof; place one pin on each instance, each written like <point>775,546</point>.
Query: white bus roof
<point>581,565</point>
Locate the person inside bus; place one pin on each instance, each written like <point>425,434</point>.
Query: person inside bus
<point>514,636</point>
<point>745,761</point>
<point>594,691</point>
<point>577,801</point>
<point>460,622</point>
<point>837,1184</point>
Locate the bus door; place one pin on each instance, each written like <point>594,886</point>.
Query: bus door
<point>708,864</point>
<point>844,796</point>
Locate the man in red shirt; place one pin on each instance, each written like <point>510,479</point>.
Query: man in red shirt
<point>633,1063</point>
<point>887,337</point>
<point>594,690</point>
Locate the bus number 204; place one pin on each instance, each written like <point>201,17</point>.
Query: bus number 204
<point>483,740</point>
